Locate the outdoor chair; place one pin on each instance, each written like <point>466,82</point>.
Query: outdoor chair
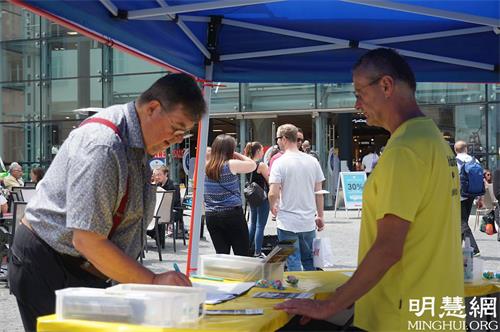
<point>28,193</point>
<point>14,196</point>
<point>159,197</point>
<point>165,216</point>
<point>19,193</point>
<point>17,215</point>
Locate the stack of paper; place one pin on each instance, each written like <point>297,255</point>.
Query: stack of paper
<point>218,292</point>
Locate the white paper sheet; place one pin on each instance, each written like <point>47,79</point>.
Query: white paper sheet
<point>218,292</point>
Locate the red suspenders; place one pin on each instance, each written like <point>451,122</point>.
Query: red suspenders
<point>118,216</point>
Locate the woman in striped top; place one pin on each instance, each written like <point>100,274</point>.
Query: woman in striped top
<point>224,214</point>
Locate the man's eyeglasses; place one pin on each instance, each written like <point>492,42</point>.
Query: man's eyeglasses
<point>177,131</point>
<point>277,138</point>
<point>300,140</point>
<point>375,81</point>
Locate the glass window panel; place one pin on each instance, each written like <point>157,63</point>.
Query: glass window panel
<point>463,122</point>
<point>20,60</point>
<point>53,29</point>
<point>267,97</point>
<point>53,136</point>
<point>336,95</point>
<point>124,63</point>
<point>74,57</point>
<point>493,135</point>
<point>129,87</point>
<point>19,101</point>
<point>16,23</point>
<point>20,142</point>
<point>493,92</point>
<point>225,99</point>
<point>450,93</point>
<point>65,96</point>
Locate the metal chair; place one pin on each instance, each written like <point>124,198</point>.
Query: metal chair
<point>28,193</point>
<point>159,197</point>
<point>18,191</point>
<point>17,215</point>
<point>165,215</point>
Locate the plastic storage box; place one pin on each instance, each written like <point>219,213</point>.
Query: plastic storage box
<point>239,268</point>
<point>130,304</point>
<point>192,298</point>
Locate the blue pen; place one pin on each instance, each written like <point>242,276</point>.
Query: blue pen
<point>176,268</point>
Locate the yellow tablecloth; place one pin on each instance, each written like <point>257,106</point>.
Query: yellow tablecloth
<point>317,282</point>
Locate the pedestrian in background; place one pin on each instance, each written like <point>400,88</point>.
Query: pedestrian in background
<point>258,214</point>
<point>36,175</point>
<point>223,205</point>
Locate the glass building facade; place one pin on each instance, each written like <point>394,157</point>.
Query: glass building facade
<point>48,72</point>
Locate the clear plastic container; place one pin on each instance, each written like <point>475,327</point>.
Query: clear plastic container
<point>239,268</point>
<point>133,306</point>
<point>192,301</point>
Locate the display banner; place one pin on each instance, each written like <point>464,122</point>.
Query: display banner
<point>352,184</point>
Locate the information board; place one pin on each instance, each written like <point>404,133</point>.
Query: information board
<point>352,184</point>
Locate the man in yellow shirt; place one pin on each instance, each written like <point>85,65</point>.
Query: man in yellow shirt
<point>410,261</point>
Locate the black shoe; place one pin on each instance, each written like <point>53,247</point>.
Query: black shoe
<point>151,233</point>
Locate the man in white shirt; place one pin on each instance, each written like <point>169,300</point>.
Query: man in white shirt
<point>294,179</point>
<point>369,161</point>
<point>465,202</point>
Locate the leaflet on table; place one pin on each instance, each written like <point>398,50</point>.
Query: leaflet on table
<point>283,295</point>
<point>281,252</point>
<point>218,292</point>
<point>250,312</point>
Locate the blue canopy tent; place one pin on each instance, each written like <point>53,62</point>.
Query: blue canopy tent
<point>288,41</point>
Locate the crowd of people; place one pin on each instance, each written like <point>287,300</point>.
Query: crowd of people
<point>412,201</point>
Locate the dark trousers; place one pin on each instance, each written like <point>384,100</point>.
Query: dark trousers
<point>229,229</point>
<point>497,219</point>
<point>466,206</point>
<point>36,271</point>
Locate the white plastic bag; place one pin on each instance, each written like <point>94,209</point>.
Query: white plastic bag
<point>322,253</point>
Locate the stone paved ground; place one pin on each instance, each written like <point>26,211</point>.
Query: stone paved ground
<point>343,233</point>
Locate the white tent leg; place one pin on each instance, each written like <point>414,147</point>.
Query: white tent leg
<point>199,181</point>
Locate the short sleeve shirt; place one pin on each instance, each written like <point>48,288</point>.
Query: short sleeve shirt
<point>297,172</point>
<point>87,179</point>
<point>416,179</point>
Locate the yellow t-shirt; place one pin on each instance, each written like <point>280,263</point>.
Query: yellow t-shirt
<point>416,179</point>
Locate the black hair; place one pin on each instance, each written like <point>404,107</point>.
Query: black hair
<point>387,61</point>
<point>176,89</point>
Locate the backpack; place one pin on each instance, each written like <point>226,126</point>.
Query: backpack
<point>471,178</point>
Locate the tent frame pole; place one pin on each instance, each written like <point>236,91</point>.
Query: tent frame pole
<point>193,7</point>
<point>428,12</point>
<point>199,180</point>
<point>180,23</point>
<point>110,6</point>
